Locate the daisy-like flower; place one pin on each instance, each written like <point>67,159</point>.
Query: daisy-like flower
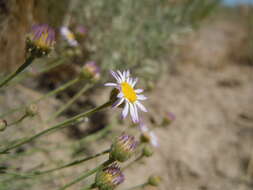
<point>127,94</point>
<point>69,36</point>
<point>148,136</point>
<point>41,39</point>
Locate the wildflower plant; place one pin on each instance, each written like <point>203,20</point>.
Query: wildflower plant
<point>127,95</point>
<point>109,49</point>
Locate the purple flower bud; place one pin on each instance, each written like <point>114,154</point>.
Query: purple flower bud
<point>109,178</point>
<point>91,71</point>
<point>123,147</point>
<point>41,39</point>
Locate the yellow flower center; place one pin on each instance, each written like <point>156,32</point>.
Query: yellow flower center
<point>70,36</point>
<point>42,41</point>
<point>128,92</point>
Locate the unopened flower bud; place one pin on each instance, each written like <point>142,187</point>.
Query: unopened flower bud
<point>81,31</point>
<point>91,71</point>
<point>123,147</point>
<point>3,124</point>
<point>32,110</point>
<point>41,40</point>
<point>147,151</point>
<point>109,178</point>
<point>168,118</point>
<point>154,180</point>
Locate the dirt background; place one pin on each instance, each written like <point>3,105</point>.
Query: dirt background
<point>208,146</point>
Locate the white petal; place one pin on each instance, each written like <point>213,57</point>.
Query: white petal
<point>139,91</point>
<point>115,75</point>
<point>120,95</point>
<point>125,110</point>
<point>124,74</point>
<point>132,113</point>
<point>136,114</point>
<point>127,73</point>
<point>154,139</point>
<point>142,108</point>
<point>134,82</point>
<point>111,84</point>
<point>118,102</point>
<point>141,97</point>
<point>143,127</point>
<point>121,76</point>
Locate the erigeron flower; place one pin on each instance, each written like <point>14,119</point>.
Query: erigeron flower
<point>123,147</point>
<point>127,94</point>
<point>109,178</point>
<point>148,136</point>
<point>69,36</point>
<point>3,124</point>
<point>168,118</point>
<point>81,30</point>
<point>91,71</point>
<point>41,40</point>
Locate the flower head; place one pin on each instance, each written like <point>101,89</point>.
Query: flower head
<point>154,180</point>
<point>41,39</point>
<point>148,136</point>
<point>127,94</point>
<point>69,36</point>
<point>81,30</point>
<point>3,124</point>
<point>109,178</point>
<point>168,118</point>
<point>91,70</point>
<point>123,147</point>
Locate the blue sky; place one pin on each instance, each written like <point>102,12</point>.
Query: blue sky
<point>235,2</point>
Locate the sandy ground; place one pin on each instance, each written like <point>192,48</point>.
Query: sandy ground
<point>209,145</point>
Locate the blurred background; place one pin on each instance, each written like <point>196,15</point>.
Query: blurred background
<point>194,58</point>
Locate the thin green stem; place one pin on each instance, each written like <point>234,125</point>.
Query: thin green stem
<point>19,120</point>
<point>56,127</point>
<point>69,103</point>
<point>86,174</point>
<point>76,162</point>
<point>134,161</point>
<point>51,93</point>
<point>36,173</point>
<point>141,186</point>
<point>92,137</point>
<point>28,62</point>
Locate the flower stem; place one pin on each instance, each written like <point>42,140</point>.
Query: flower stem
<point>134,161</point>
<point>28,62</point>
<point>89,138</point>
<point>70,102</point>
<point>19,120</point>
<point>76,162</point>
<point>56,127</point>
<point>36,173</point>
<point>86,174</point>
<point>51,93</point>
<point>141,186</point>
